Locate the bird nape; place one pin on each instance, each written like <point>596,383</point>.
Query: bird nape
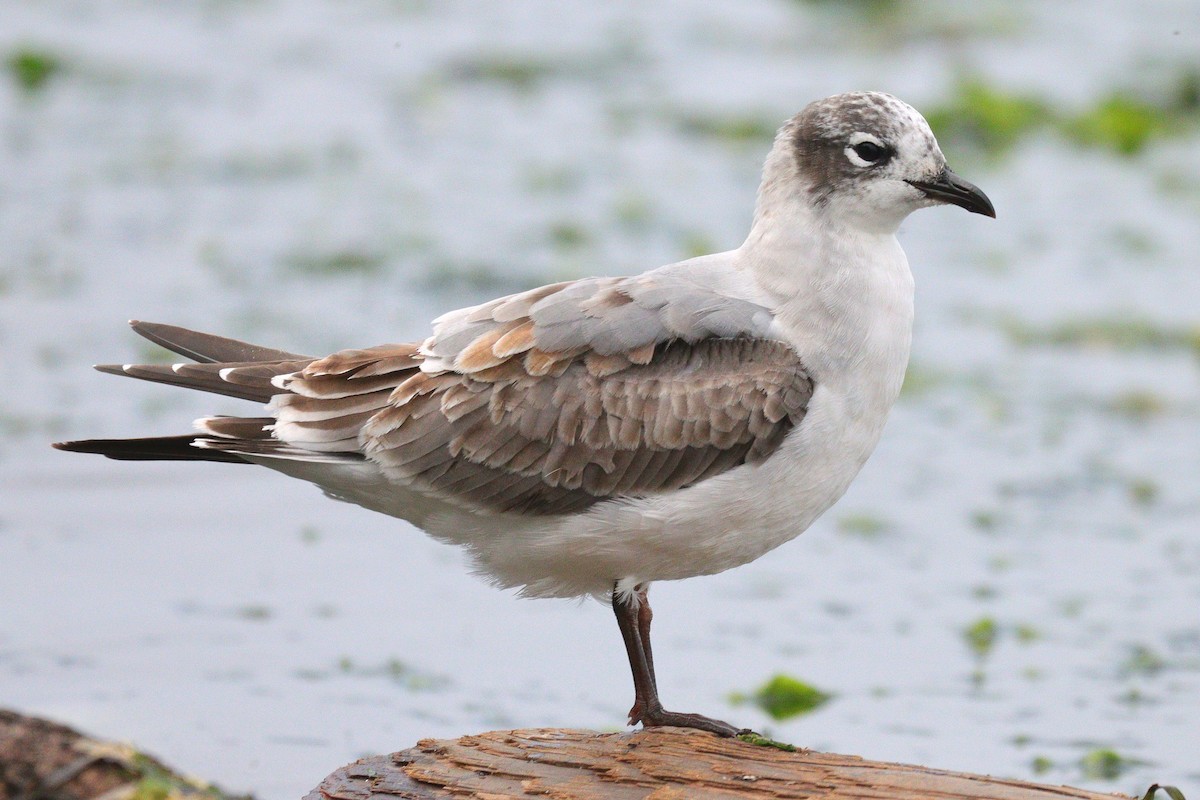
<point>593,436</point>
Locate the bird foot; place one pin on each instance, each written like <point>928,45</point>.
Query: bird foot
<point>663,718</point>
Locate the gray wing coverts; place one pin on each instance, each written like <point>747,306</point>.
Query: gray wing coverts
<point>553,400</point>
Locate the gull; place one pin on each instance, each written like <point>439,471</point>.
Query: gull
<point>593,436</point>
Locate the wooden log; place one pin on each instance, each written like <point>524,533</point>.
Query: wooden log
<point>42,760</point>
<point>655,764</point>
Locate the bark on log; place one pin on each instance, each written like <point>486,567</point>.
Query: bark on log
<point>42,760</point>
<point>656,764</point>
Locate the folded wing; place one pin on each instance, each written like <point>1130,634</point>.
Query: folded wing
<point>544,402</point>
<point>553,400</point>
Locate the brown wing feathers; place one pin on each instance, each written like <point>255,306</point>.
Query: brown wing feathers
<point>503,439</point>
<point>514,411</point>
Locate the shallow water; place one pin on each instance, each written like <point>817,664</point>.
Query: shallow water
<point>316,176</point>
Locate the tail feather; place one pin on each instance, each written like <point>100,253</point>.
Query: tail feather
<point>155,448</point>
<point>208,348</point>
<point>223,366</point>
<point>243,380</point>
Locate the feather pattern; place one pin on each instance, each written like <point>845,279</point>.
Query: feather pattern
<point>546,402</point>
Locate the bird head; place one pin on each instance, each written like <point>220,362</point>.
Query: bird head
<point>865,160</point>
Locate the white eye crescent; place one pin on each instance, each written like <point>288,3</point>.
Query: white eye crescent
<point>865,150</point>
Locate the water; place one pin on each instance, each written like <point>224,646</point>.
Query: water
<point>314,176</point>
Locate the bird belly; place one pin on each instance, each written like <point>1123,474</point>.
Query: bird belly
<point>720,523</point>
<point>723,522</point>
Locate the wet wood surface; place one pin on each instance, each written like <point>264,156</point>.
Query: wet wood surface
<point>658,764</point>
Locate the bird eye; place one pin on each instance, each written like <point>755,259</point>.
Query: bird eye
<point>870,152</point>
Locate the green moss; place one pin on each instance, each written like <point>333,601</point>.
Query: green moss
<point>920,380</point>
<point>985,520</point>
<point>569,235</point>
<point>982,117</point>
<point>1119,122</point>
<point>981,636</point>
<point>1114,333</point>
<point>515,71</point>
<point>1141,660</point>
<point>394,670</point>
<point>865,525</point>
<point>157,782</point>
<point>633,211</point>
<point>32,68</point>
<point>152,788</point>
<point>1138,405</point>
<point>784,697</point>
<point>1143,491</point>
<point>1104,764</point>
<point>476,276</point>
<point>735,129</point>
<point>337,262</point>
<point>763,741</point>
<point>694,243</point>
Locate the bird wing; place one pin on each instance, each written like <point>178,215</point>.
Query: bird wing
<point>551,400</point>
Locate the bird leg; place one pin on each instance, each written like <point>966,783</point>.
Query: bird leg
<point>633,618</point>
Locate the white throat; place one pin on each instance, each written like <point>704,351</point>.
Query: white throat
<point>843,296</point>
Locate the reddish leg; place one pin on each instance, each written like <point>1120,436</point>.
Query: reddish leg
<point>633,617</point>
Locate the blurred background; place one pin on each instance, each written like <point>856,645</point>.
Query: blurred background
<point>1012,586</point>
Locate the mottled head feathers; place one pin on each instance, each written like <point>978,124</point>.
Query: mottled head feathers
<point>852,157</point>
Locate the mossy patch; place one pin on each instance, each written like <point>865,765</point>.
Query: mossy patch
<point>477,276</point>
<point>731,128</point>
<point>984,117</point>
<point>1119,122</point>
<point>985,520</point>
<point>920,379</point>
<point>393,670</point>
<point>784,697</point>
<point>695,243</point>
<point>1142,491</point>
<point>1110,333</point>
<point>515,71</point>
<point>349,261</point>
<point>763,741</point>
<point>1104,763</point>
<point>1138,405</point>
<point>867,526</point>
<point>1141,660</point>
<point>567,235</point>
<point>32,68</point>
<point>981,636</point>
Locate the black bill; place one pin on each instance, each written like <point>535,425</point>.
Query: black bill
<point>949,188</point>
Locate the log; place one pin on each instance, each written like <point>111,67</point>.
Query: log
<point>42,760</point>
<point>655,764</point>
